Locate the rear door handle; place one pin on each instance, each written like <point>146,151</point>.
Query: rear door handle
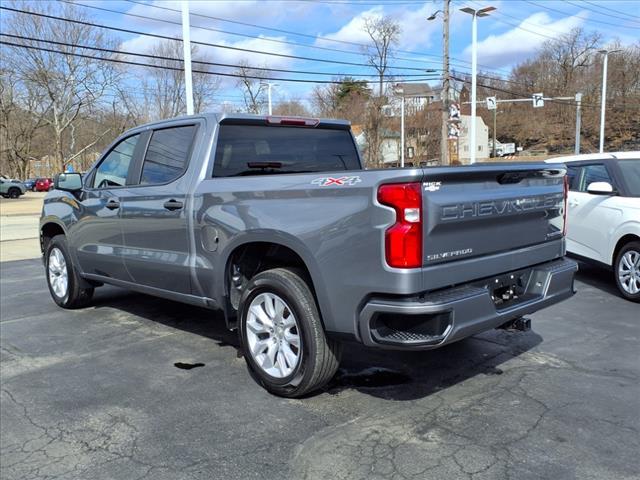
<point>574,203</point>
<point>113,204</point>
<point>173,205</point>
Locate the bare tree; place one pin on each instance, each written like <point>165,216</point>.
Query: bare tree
<point>250,80</point>
<point>69,84</point>
<point>384,33</point>
<point>19,128</point>
<point>291,107</point>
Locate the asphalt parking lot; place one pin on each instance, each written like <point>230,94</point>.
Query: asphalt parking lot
<point>96,394</point>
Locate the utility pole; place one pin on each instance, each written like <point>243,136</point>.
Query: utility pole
<point>186,44</point>
<point>444,147</point>
<point>578,121</point>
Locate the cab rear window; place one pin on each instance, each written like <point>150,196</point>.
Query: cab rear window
<point>262,150</point>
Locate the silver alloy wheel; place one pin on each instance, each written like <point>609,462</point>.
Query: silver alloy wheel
<point>273,335</point>
<point>58,275</point>
<point>629,272</point>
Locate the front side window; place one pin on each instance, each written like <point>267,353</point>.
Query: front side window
<point>113,170</point>
<point>573,177</point>
<point>594,173</point>
<point>167,154</point>
<point>261,150</point>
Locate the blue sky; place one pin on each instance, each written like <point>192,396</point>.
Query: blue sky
<point>510,35</point>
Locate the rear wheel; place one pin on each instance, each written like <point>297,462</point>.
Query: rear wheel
<point>14,192</point>
<point>627,271</point>
<point>65,285</point>
<point>282,335</point>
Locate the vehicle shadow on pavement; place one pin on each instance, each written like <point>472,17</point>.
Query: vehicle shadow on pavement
<point>393,375</point>
<point>597,277</point>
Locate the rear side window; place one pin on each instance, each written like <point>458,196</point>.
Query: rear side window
<point>594,173</point>
<point>167,154</point>
<point>261,150</point>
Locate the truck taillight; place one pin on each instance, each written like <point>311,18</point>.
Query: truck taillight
<point>566,200</point>
<point>403,240</point>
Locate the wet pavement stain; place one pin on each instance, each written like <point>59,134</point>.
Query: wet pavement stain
<point>187,366</point>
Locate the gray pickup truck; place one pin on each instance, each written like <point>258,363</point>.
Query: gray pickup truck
<point>275,222</point>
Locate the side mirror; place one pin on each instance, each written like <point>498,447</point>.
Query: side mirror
<point>600,188</point>
<point>69,182</point>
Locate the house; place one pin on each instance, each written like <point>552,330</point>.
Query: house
<point>416,98</point>
<point>482,140</point>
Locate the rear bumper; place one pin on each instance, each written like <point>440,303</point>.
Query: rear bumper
<point>435,319</point>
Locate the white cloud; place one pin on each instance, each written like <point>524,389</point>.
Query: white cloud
<point>517,44</point>
<point>415,32</point>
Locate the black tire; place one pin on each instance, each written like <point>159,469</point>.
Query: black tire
<point>14,192</point>
<point>320,355</point>
<point>77,295</point>
<point>625,250</point>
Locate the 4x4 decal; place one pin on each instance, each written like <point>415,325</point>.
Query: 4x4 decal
<point>341,181</point>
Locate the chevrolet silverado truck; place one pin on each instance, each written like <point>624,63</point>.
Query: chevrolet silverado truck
<point>275,222</point>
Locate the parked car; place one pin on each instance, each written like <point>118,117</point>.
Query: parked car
<point>30,183</point>
<point>275,222</point>
<point>604,214</point>
<point>43,184</point>
<point>11,188</point>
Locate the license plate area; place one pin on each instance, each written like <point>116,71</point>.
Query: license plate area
<point>507,289</point>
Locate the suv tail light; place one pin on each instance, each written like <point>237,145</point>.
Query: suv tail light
<point>403,240</point>
<point>566,199</point>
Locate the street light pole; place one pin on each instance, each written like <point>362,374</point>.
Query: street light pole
<point>186,45</point>
<point>603,105</point>
<point>269,85</point>
<point>474,74</point>
<point>402,132</point>
<point>578,121</point>
<point>474,67</point>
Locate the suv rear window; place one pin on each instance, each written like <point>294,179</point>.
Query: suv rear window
<point>260,150</point>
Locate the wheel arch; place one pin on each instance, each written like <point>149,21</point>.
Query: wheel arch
<point>622,241</point>
<point>48,229</point>
<point>255,254</point>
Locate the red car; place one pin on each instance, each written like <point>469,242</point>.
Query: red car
<point>43,185</point>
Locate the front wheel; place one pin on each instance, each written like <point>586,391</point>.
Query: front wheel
<point>14,193</point>
<point>65,285</point>
<point>627,271</point>
<point>282,335</point>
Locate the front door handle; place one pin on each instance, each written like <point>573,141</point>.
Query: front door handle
<point>113,204</point>
<point>574,203</point>
<point>173,205</point>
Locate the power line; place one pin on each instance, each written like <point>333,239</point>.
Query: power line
<point>127,62</point>
<point>290,32</point>
<point>610,15</point>
<point>166,37</point>
<point>586,19</point>
<point>609,9</point>
<point>202,62</point>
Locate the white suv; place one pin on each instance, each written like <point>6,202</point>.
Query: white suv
<point>604,214</point>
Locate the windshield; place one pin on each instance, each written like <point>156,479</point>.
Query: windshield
<point>631,174</point>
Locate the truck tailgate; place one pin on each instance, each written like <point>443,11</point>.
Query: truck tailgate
<point>483,210</point>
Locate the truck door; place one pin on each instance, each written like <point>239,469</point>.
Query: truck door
<point>98,236</point>
<point>154,212</point>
